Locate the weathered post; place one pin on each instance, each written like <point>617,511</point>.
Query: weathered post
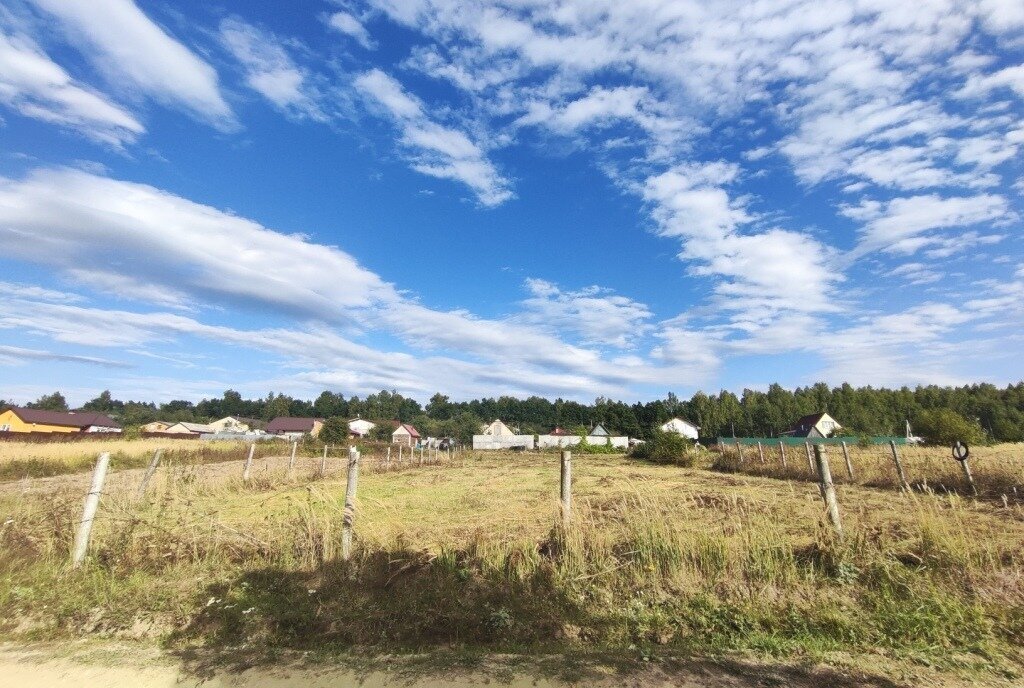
<point>810,461</point>
<point>291,460</point>
<point>248,463</point>
<point>92,502</point>
<point>828,490</point>
<point>387,460</point>
<point>760,452</point>
<point>849,465</point>
<point>350,503</point>
<point>399,455</point>
<point>899,466</point>
<point>149,472</point>
<point>739,452</point>
<point>421,455</point>
<point>565,491</point>
<point>323,463</point>
<point>782,452</point>
<point>961,453</point>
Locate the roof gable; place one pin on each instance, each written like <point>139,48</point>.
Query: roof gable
<point>68,420</point>
<point>292,424</point>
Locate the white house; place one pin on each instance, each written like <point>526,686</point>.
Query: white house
<point>814,425</point>
<point>234,424</point>
<point>681,427</point>
<point>358,427</point>
<point>496,429</point>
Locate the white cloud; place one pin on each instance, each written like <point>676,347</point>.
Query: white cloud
<point>353,28</point>
<point>16,355</point>
<point>35,86</point>
<point>597,316</point>
<point>269,70</point>
<point>904,225</point>
<point>434,149</point>
<point>135,52</point>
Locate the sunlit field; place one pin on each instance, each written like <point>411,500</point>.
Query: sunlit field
<point>472,552</point>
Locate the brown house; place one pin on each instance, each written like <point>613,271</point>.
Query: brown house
<point>286,426</point>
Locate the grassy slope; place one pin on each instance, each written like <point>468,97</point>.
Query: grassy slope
<point>659,559</point>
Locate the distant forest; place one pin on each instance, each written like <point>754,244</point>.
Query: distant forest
<point>861,410</point>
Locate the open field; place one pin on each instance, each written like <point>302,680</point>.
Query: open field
<point>997,470</point>
<point>659,562</point>
<point>39,459</point>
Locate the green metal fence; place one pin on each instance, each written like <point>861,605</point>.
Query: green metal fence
<point>800,441</point>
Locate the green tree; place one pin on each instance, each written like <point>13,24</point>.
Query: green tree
<point>334,430</point>
<point>943,426</point>
<point>103,403</point>
<point>50,402</point>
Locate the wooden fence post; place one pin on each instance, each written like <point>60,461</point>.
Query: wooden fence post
<point>399,455</point>
<point>782,452</point>
<point>248,463</point>
<point>149,472</point>
<point>350,503</point>
<point>849,465</point>
<point>828,490</point>
<point>899,466</point>
<point>565,489</point>
<point>92,502</point>
<point>969,477</point>
<point>387,460</point>
<point>323,463</point>
<point>760,452</point>
<point>739,452</point>
<point>421,456</point>
<point>291,460</point>
<point>810,461</point>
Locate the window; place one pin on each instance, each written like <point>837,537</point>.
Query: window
<point>5,428</point>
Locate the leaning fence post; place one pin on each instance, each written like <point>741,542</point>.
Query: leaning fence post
<point>149,472</point>
<point>782,451</point>
<point>92,502</point>
<point>849,465</point>
<point>565,491</point>
<point>899,466</point>
<point>810,461</point>
<point>739,452</point>
<point>291,459</point>
<point>828,490</point>
<point>248,463</point>
<point>760,452</point>
<point>350,503</point>
<point>961,453</point>
<point>323,463</point>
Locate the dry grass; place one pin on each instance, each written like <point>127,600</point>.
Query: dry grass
<point>469,553</point>
<point>40,459</point>
<point>997,470</point>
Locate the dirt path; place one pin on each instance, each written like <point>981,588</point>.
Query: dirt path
<point>113,665</point>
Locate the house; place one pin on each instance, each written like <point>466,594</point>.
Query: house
<point>496,429</point>
<point>598,436</point>
<point>359,427</point>
<point>559,432</point>
<point>599,431</point>
<point>235,424</point>
<point>405,434</point>
<point>16,419</point>
<point>294,428</point>
<point>184,428</point>
<point>156,426</point>
<point>681,427</point>
<point>814,425</point>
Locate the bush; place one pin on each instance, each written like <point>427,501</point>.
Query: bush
<point>334,431</point>
<point>946,427</point>
<point>665,447</point>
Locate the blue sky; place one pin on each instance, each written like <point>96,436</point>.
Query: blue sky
<point>573,198</point>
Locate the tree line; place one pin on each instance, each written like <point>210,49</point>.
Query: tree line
<point>997,413</point>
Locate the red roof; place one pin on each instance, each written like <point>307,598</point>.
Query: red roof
<point>559,432</point>
<point>409,429</point>
<point>289,424</point>
<point>83,419</point>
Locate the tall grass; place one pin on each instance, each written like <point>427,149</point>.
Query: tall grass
<point>997,470</point>
<point>714,568</point>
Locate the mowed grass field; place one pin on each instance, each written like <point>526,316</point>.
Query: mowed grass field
<point>471,554</point>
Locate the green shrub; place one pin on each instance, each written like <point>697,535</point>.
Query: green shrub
<point>665,447</point>
<point>947,427</point>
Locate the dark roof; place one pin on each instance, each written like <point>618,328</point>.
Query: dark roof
<point>806,423</point>
<point>82,419</point>
<point>409,429</point>
<point>289,424</point>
